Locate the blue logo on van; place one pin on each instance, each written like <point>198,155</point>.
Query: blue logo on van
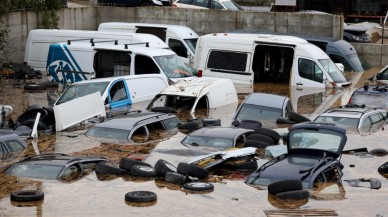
<point>62,66</point>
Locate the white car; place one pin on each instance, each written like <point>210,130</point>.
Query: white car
<point>203,4</point>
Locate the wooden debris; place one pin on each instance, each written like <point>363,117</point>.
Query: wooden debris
<point>300,212</point>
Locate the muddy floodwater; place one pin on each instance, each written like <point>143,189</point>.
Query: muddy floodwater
<point>93,196</point>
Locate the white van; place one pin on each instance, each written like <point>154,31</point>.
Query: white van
<point>181,39</point>
<point>249,58</point>
<point>39,40</point>
<point>116,94</point>
<point>77,61</point>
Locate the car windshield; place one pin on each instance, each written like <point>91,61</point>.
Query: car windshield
<point>370,98</point>
<point>79,90</point>
<point>256,112</point>
<point>39,171</point>
<point>351,123</point>
<point>319,139</point>
<point>218,143</point>
<point>356,62</point>
<point>173,66</point>
<point>333,70</point>
<point>233,6</point>
<point>108,133</point>
<point>192,43</point>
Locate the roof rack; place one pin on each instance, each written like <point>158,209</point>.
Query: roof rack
<point>93,42</point>
<point>146,43</point>
<point>84,39</point>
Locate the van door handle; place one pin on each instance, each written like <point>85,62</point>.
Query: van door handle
<point>299,83</point>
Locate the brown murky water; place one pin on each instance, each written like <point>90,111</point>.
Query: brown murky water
<point>90,196</point>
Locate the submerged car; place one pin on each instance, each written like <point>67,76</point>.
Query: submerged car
<point>137,127</point>
<point>370,95</point>
<point>382,76</point>
<point>355,117</point>
<point>217,138</point>
<point>313,152</point>
<point>55,166</point>
<point>205,4</point>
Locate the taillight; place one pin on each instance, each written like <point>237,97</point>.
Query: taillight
<point>350,101</point>
<point>199,73</point>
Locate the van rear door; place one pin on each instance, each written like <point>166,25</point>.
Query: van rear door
<point>160,32</point>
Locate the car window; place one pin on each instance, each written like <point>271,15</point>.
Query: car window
<point>109,133</point>
<point>214,142</point>
<point>310,70</point>
<point>14,145</point>
<point>255,112</point>
<point>78,90</point>
<point>377,121</point>
<point>145,65</point>
<point>39,171</point>
<point>217,5</point>
<point>346,122</point>
<point>118,92</point>
<point>323,139</point>
<point>71,173</point>
<point>332,70</point>
<point>171,123</point>
<point>3,150</point>
<point>227,60</point>
<point>178,47</point>
<point>186,1</point>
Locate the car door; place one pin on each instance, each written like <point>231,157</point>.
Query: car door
<point>118,95</point>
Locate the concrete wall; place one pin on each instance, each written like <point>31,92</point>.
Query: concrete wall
<point>201,21</point>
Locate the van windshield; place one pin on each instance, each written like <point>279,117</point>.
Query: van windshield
<point>78,90</point>
<point>333,71</point>
<point>173,66</point>
<point>356,62</point>
<point>192,43</point>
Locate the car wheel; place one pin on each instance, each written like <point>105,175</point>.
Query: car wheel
<point>284,185</point>
<point>198,186</point>
<point>293,195</point>
<point>285,121</point>
<point>192,170</point>
<point>175,178</point>
<point>256,144</point>
<point>262,138</point>
<point>143,171</point>
<point>268,132</point>
<point>297,117</point>
<point>27,195</point>
<point>163,109</point>
<point>140,196</point>
<point>128,163</point>
<point>104,169</point>
<point>34,87</point>
<point>162,167</point>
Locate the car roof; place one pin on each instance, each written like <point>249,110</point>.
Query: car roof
<point>265,99</point>
<point>131,120</point>
<point>350,111</point>
<point>55,159</point>
<point>224,132</point>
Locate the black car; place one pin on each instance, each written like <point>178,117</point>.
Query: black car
<point>356,34</point>
<point>54,166</point>
<point>313,151</point>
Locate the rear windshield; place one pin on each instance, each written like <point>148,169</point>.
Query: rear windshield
<point>108,133</point>
<point>370,99</point>
<point>35,171</point>
<point>351,123</point>
<point>78,90</point>
<point>255,112</point>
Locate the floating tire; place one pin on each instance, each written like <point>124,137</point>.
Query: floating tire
<point>297,117</point>
<point>175,178</point>
<point>162,167</point>
<point>198,186</point>
<point>285,121</point>
<point>256,144</point>
<point>192,170</point>
<point>383,168</point>
<point>268,132</point>
<point>262,138</point>
<point>284,185</point>
<point>27,195</point>
<point>293,195</point>
<point>163,109</point>
<point>140,196</point>
<point>34,87</point>
<point>143,171</point>
<point>128,163</point>
<point>211,122</point>
<point>51,84</point>
<point>379,152</point>
<point>191,125</point>
<point>104,169</point>
<point>250,124</point>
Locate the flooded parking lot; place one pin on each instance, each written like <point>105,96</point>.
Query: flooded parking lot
<point>91,196</point>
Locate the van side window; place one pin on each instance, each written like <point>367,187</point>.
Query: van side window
<point>178,47</point>
<point>310,70</point>
<point>340,59</point>
<point>217,5</point>
<point>14,145</point>
<point>117,92</point>
<point>145,65</point>
<point>227,60</point>
<point>109,63</point>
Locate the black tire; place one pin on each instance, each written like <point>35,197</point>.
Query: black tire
<point>163,109</point>
<point>143,171</point>
<point>128,163</point>
<point>262,138</point>
<point>211,122</point>
<point>175,178</point>
<point>293,195</point>
<point>27,195</point>
<point>297,117</point>
<point>34,87</point>
<point>30,123</point>
<point>284,185</point>
<point>285,121</point>
<point>250,124</point>
<point>379,152</point>
<point>256,144</point>
<point>34,106</point>
<point>104,169</point>
<point>269,132</point>
<point>51,84</point>
<point>191,125</point>
<point>162,167</point>
<point>31,114</point>
<point>383,168</point>
<point>249,165</point>
<point>192,170</point>
<point>140,196</point>
<point>198,186</point>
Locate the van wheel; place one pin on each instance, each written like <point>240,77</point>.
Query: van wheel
<point>297,117</point>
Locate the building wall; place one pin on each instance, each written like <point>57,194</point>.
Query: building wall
<point>201,21</point>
